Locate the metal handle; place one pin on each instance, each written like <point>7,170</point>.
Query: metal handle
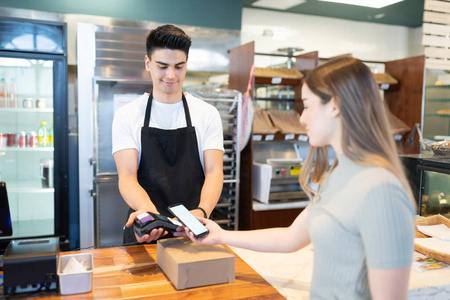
<point>93,163</point>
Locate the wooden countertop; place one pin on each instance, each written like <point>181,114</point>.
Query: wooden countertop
<point>132,272</point>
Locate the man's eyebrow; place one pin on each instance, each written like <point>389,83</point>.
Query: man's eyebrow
<point>166,64</point>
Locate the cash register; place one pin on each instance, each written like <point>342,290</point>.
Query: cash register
<point>28,264</point>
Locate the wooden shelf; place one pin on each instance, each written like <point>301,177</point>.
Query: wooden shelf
<point>385,78</point>
<point>274,99</point>
<point>262,123</point>
<point>283,76</point>
<point>287,121</point>
<point>279,137</point>
<point>385,81</point>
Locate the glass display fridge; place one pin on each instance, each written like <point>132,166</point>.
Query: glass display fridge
<point>33,127</point>
<point>436,106</point>
<point>434,186</point>
<point>429,178</point>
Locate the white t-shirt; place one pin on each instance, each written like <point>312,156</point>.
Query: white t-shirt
<point>129,120</point>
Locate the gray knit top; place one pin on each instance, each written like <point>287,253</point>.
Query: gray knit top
<point>364,219</point>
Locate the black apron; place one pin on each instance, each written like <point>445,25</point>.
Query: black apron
<point>170,170</point>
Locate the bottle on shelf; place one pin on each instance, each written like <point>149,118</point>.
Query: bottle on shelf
<point>12,93</point>
<point>43,135</point>
<point>50,135</point>
<point>3,93</point>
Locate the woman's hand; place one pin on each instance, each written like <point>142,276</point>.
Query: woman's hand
<point>212,238</point>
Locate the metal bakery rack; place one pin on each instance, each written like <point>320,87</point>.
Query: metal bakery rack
<point>228,103</point>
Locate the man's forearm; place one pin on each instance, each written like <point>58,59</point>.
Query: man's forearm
<point>134,195</point>
<point>212,188</point>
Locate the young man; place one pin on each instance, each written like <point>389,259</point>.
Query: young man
<point>168,147</point>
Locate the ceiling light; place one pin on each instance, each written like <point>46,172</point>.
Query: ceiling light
<point>368,3</point>
<point>279,4</point>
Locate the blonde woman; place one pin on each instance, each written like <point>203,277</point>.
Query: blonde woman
<point>361,221</point>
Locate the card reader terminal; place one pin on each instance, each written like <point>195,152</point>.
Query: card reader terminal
<point>145,222</point>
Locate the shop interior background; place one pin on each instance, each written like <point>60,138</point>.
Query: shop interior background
<point>270,30</point>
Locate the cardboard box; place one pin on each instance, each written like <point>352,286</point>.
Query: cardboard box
<point>189,265</point>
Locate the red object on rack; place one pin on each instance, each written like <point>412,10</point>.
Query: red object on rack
<point>11,139</point>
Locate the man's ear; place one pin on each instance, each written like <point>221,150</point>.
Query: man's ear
<point>147,63</point>
<point>335,111</point>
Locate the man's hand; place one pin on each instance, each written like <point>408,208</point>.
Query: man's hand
<point>146,238</point>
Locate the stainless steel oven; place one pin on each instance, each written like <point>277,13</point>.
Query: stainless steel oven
<point>276,168</point>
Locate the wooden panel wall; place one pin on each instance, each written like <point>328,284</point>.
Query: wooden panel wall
<point>405,102</point>
<point>304,63</point>
<point>241,61</point>
<point>275,218</point>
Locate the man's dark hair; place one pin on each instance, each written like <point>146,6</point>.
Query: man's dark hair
<point>167,37</point>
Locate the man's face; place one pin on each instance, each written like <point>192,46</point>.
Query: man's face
<point>168,69</point>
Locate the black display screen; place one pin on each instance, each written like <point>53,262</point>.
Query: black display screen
<point>162,218</point>
<point>5,216</point>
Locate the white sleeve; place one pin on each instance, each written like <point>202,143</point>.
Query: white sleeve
<point>214,132</point>
<point>122,133</point>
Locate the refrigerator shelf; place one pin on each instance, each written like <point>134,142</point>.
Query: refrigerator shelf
<point>27,186</point>
<point>31,190</point>
<point>26,149</point>
<point>27,110</point>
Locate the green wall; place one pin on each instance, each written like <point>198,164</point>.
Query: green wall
<point>225,14</point>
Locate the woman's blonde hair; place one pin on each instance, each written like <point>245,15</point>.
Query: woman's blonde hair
<point>366,135</point>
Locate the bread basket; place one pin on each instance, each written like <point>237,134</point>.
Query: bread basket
<point>441,148</point>
<point>432,220</point>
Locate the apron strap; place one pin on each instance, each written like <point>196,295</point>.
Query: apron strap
<point>186,112</point>
<point>148,111</point>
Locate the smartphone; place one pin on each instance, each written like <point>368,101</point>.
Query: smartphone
<point>188,220</point>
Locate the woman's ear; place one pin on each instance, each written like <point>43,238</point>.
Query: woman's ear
<point>334,108</point>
